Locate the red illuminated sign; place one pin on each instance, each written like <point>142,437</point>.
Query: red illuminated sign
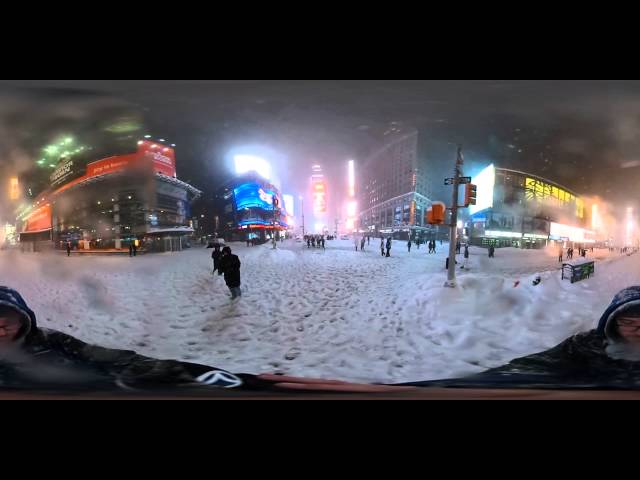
<point>319,195</point>
<point>163,158</point>
<point>39,220</point>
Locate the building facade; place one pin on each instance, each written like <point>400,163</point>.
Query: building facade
<point>523,210</point>
<point>394,189</point>
<point>112,203</point>
<point>244,209</point>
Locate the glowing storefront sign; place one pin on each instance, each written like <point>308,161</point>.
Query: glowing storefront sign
<point>485,182</point>
<point>497,233</point>
<point>574,234</point>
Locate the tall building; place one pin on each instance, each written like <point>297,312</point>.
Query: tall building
<point>394,191</point>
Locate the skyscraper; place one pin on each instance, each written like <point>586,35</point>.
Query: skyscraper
<point>394,191</point>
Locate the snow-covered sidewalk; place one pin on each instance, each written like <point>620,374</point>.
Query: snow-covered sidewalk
<point>335,313</point>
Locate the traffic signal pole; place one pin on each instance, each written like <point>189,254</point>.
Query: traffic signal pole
<point>451,272</point>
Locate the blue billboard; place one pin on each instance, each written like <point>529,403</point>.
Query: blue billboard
<point>253,195</point>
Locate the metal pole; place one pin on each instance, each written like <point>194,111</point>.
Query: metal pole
<point>302,201</point>
<point>273,232</point>
<point>451,273</point>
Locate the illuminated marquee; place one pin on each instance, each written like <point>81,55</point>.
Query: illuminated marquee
<point>538,191</point>
<point>319,194</point>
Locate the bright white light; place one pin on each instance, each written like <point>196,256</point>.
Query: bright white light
<point>319,227</point>
<point>288,203</point>
<point>147,136</point>
<point>575,234</point>
<point>351,209</point>
<point>595,217</point>
<point>173,144</point>
<point>140,142</point>
<point>251,163</point>
<point>485,182</point>
<point>459,223</point>
<point>162,140</point>
<point>497,233</point>
<point>352,178</point>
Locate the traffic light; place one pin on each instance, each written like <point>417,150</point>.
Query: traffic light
<point>435,214</point>
<point>470,194</point>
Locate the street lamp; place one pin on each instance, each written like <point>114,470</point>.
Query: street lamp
<point>302,210</point>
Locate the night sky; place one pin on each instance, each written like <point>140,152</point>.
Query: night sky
<point>583,134</point>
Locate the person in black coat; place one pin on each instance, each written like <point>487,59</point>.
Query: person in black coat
<point>68,249</point>
<point>388,245</point>
<point>216,255</point>
<point>35,358</point>
<point>229,265</point>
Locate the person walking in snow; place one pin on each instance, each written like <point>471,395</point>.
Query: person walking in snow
<point>313,241</point>
<point>368,240</point>
<point>322,240</point>
<point>560,255</point>
<point>388,247</point>
<point>355,241</point>
<point>382,246</point>
<point>492,251</point>
<point>466,255</point>
<point>68,249</point>
<point>216,255</point>
<point>229,265</point>
<point>458,246</point>
<point>409,246</point>
<point>308,241</point>
<point>362,244</point>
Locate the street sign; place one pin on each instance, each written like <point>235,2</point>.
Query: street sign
<point>462,181</point>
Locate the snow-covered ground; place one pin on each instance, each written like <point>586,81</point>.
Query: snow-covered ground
<point>334,314</point>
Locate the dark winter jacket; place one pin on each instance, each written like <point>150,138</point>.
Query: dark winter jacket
<point>230,266</point>
<point>581,361</point>
<point>41,358</point>
<point>216,255</point>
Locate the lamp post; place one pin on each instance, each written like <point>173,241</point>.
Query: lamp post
<point>302,210</point>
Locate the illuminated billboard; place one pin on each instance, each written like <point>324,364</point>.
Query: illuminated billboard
<point>537,190</point>
<point>39,220</point>
<point>485,182</point>
<point>14,188</point>
<point>288,204</point>
<point>352,179</point>
<point>319,192</point>
<point>251,163</point>
<point>253,195</point>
